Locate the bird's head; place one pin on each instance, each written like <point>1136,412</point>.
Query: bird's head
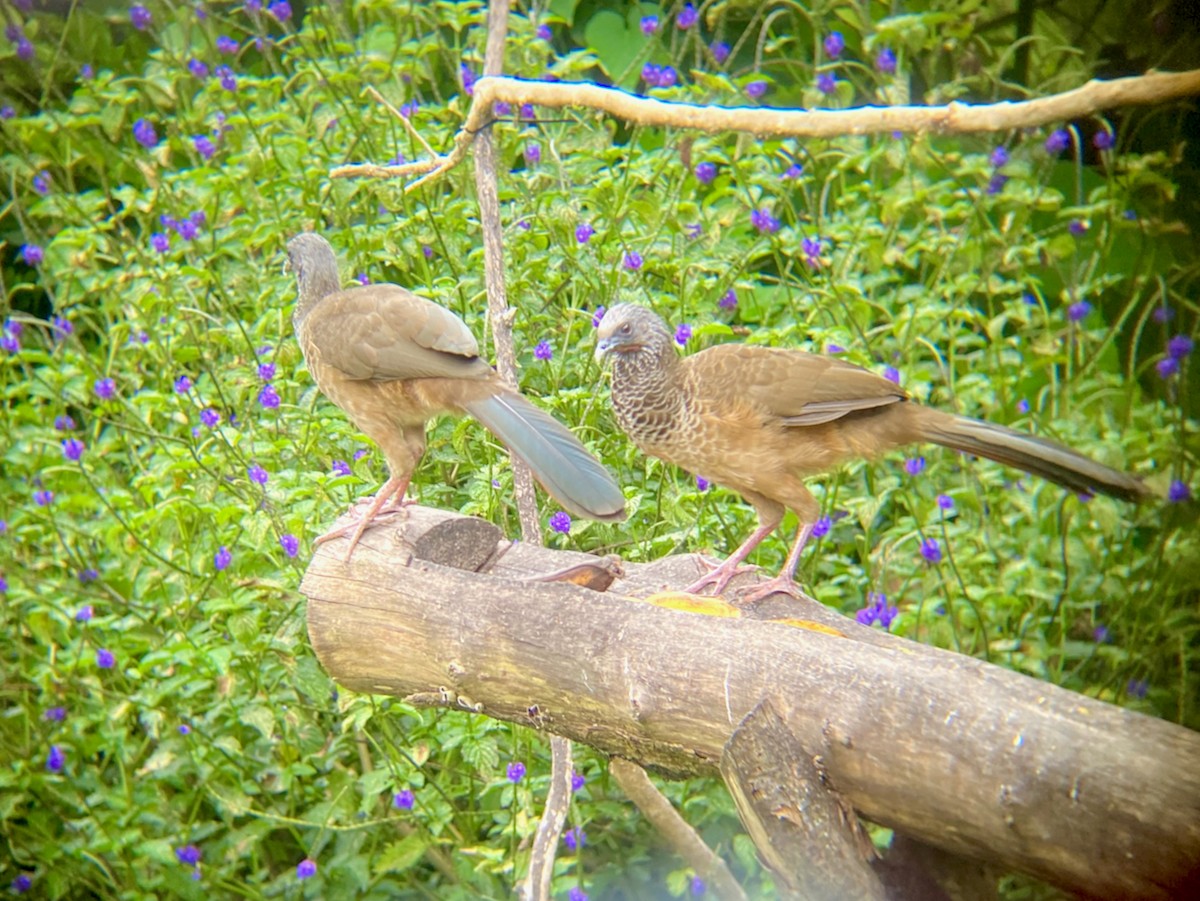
<point>629,328</point>
<point>313,262</point>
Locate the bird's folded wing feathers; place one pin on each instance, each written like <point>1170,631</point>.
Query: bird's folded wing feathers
<point>801,389</point>
<point>384,332</point>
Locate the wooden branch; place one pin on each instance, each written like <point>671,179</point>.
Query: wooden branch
<point>805,834</point>
<point>960,118</point>
<point>952,751</point>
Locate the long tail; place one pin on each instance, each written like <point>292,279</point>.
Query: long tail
<point>1030,453</point>
<point>566,469</point>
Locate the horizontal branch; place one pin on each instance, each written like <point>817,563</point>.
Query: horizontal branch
<point>952,751</point>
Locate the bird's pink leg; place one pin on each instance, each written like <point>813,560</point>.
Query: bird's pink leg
<point>785,582</point>
<point>393,488</point>
<point>720,576</point>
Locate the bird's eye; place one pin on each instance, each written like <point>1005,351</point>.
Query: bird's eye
<point>625,329</point>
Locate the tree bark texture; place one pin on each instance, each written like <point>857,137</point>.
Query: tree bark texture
<point>956,753</point>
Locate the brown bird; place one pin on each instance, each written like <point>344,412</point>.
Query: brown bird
<point>392,360</point>
<point>759,420</point>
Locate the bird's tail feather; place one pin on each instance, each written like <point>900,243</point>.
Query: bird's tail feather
<point>565,468</point>
<point>1033,454</point>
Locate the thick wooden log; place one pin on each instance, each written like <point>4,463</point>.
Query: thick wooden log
<point>954,752</point>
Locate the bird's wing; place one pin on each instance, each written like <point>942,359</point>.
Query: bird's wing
<point>384,332</point>
<point>801,389</point>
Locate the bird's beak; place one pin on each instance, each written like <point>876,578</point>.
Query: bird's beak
<point>603,349</point>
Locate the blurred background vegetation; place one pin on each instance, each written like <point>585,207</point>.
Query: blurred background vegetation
<point>166,462</point>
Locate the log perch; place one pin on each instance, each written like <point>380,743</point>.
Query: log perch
<point>947,750</point>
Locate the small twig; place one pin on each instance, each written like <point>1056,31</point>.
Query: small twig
<point>675,829</point>
<point>433,154</point>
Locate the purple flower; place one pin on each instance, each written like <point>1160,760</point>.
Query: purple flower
<point>139,16</point>
<point>187,229</point>
<point>1137,688</point>
<point>999,157</point>
<point>729,300</point>
<point>597,316</point>
<point>41,183</point>
<point>650,74</point>
<point>198,68</point>
<point>227,78</point>
<point>756,89</point>
<point>720,51</point>
<point>695,230</point>
<point>1022,406</point>
<point>885,61</point>
<point>705,172</point>
<point>945,502</point>
<point>1163,314</point>
<point>9,342</point>
<point>1100,634</point>
<point>144,133</point>
<point>996,183</point>
<point>61,326</point>
<point>516,771</point>
<point>253,6</point>
<point>667,77</point>
<point>500,108</point>
<point>105,389</point>
<point>697,887</point>
<point>1179,492</point>
<point>575,838</point>
<point>792,172</point>
<point>290,544</point>
<point>687,16</point>
<point>559,522</point>
<point>183,384</point>
<point>56,759</point>
<point>584,232</point>
<point>1078,310</point>
<point>526,111</point>
<point>544,32</point>
<point>702,483</point>
<point>210,417</point>
<point>269,397</point>
<point>764,222</point>
<point>876,610</point>
<point>834,44</point>
<point>811,248</point>
<point>577,894</point>
<point>683,334</point>
<point>543,351</point>
<point>84,613</point>
<point>1058,141</point>
<point>892,374</point>
<point>577,780</point>
<point>222,558</point>
<point>72,449</point>
<point>281,10</point>
<point>266,371</point>
<point>363,279</point>
<point>341,468</point>
<point>55,714</point>
<point>88,575</point>
<point>404,799</point>
<point>64,423</point>
<point>1077,227</point>
<point>306,868</point>
<point>204,146</point>
<point>43,498</point>
<point>227,45</point>
<point>185,729</point>
<point>188,855</point>
<point>931,550</point>
<point>32,254</point>
<point>834,349</point>
<point>1104,139</point>
<point>160,241</point>
<point>7,112</point>
<point>914,466</point>
<point>633,261</point>
<point>1179,347</point>
<point>105,659</point>
<point>649,25</point>
<point>821,527</point>
<point>533,153</point>
<point>258,474</point>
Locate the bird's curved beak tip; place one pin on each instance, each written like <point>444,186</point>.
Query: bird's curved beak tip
<point>602,349</point>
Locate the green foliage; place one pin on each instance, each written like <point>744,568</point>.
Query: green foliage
<point>215,726</point>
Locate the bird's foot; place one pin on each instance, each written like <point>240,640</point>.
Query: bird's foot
<point>715,581</point>
<point>378,512</point>
<point>780,584</point>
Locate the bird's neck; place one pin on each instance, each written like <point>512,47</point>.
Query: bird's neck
<point>648,393</point>
<point>312,287</point>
